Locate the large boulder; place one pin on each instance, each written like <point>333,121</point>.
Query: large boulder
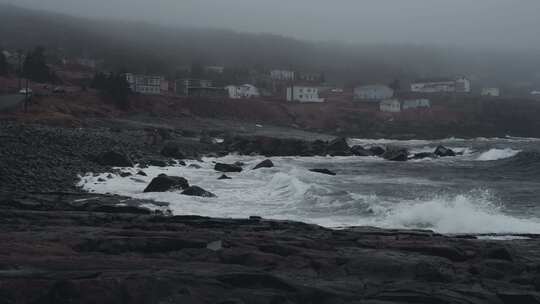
<point>164,183</point>
<point>197,191</point>
<point>338,147</point>
<point>172,150</point>
<point>323,171</point>
<point>361,151</point>
<point>227,168</point>
<point>264,164</point>
<point>377,151</point>
<point>442,151</point>
<point>114,159</point>
<point>396,154</point>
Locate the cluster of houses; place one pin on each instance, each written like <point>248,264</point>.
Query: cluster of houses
<point>290,85</point>
<point>304,87</point>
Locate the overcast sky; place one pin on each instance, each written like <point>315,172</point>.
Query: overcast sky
<point>499,23</point>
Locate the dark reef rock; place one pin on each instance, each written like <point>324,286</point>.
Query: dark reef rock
<point>338,147</point>
<point>142,173</point>
<point>377,151</point>
<point>396,154</point>
<point>361,151</point>
<point>114,159</point>
<point>197,191</point>
<point>264,164</point>
<point>442,151</point>
<point>227,168</point>
<point>164,183</point>
<point>83,248</point>
<point>323,171</point>
<point>223,176</point>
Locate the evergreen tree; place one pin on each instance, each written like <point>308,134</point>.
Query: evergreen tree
<point>35,66</point>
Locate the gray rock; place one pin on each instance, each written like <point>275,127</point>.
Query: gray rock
<point>227,168</point>
<point>323,171</point>
<point>164,183</point>
<point>264,164</point>
<point>197,191</point>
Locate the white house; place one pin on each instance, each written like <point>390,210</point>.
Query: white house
<point>242,91</point>
<point>491,92</point>
<point>463,85</point>
<point>283,75</point>
<point>145,84</point>
<point>459,85</point>
<point>373,92</point>
<point>416,103</point>
<point>303,94</point>
<point>390,105</point>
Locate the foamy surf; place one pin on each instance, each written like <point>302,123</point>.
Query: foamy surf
<point>365,192</point>
<point>497,154</point>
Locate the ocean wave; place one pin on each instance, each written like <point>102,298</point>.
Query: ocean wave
<point>497,154</point>
<point>473,213</point>
<point>357,196</point>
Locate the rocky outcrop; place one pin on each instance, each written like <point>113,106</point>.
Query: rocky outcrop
<point>361,151</point>
<point>65,252</point>
<point>114,159</point>
<point>226,168</point>
<point>442,151</point>
<point>223,176</point>
<point>377,151</point>
<point>197,191</point>
<point>164,183</point>
<point>338,147</point>
<point>423,155</point>
<point>323,171</point>
<point>270,146</point>
<point>264,164</point>
<point>396,154</point>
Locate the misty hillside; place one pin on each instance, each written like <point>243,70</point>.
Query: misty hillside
<point>154,49</point>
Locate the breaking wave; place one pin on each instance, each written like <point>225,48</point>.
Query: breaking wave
<point>472,213</point>
<point>497,154</point>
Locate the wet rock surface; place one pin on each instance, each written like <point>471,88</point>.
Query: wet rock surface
<point>264,164</point>
<point>197,191</point>
<point>227,168</point>
<point>323,171</point>
<point>83,248</point>
<point>396,154</point>
<point>163,183</point>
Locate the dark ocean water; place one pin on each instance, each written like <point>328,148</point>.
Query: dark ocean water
<point>494,187</point>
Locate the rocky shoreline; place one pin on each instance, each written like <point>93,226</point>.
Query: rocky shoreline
<point>61,245</point>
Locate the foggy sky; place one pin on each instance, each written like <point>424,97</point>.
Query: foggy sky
<point>485,23</point>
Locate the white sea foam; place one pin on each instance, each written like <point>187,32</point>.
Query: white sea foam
<point>465,213</point>
<point>290,191</point>
<point>497,154</point>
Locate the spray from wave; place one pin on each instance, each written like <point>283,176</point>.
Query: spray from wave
<point>497,154</point>
<point>471,213</point>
